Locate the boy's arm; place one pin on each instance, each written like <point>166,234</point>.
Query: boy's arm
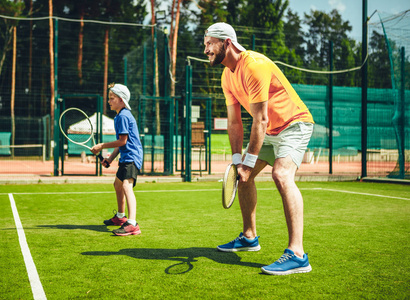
<point>113,155</point>
<point>115,144</point>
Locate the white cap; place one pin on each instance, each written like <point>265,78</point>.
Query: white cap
<point>224,31</point>
<point>122,91</point>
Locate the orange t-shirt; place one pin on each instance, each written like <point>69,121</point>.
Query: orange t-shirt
<point>257,79</point>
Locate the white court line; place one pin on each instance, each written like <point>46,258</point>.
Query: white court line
<point>212,190</point>
<point>135,191</point>
<point>364,194</point>
<point>36,287</point>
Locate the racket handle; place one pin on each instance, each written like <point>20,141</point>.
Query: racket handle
<point>102,158</point>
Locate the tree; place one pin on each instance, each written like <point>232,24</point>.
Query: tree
<point>13,9</point>
<point>212,11</point>
<point>234,9</point>
<point>294,36</point>
<point>270,17</point>
<point>324,28</point>
<point>380,62</point>
<point>175,15</point>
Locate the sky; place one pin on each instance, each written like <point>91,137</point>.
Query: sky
<point>351,10</point>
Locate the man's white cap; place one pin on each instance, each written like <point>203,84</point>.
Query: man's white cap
<point>122,91</point>
<point>224,31</point>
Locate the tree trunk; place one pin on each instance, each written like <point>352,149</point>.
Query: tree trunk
<point>105,70</point>
<point>172,25</point>
<point>51,51</point>
<point>13,91</point>
<point>80,50</point>
<point>30,59</point>
<point>174,48</point>
<point>7,41</point>
<point>156,92</point>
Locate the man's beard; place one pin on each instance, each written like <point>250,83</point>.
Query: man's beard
<point>219,57</point>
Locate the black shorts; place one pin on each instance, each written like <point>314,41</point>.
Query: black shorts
<point>127,170</point>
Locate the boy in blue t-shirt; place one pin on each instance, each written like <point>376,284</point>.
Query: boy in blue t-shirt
<point>128,145</point>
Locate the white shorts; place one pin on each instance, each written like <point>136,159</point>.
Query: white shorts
<point>292,141</point>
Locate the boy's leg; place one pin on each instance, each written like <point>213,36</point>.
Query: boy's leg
<point>130,227</point>
<point>127,187</point>
<point>119,190</point>
<point>128,175</point>
<point>119,217</point>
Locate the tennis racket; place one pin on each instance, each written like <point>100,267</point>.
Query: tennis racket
<point>229,185</point>
<point>77,127</point>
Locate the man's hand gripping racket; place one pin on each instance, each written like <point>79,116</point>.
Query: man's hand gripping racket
<point>77,128</point>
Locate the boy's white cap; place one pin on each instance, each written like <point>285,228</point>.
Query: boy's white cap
<point>122,91</point>
<point>224,31</point>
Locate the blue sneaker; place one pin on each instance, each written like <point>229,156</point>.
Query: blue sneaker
<point>241,243</point>
<point>287,264</point>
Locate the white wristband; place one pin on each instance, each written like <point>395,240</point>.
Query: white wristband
<point>236,158</point>
<point>250,160</point>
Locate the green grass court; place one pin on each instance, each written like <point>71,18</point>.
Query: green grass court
<point>356,234</point>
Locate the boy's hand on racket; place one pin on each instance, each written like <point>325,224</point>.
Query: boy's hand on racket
<point>105,162</point>
<point>97,148</point>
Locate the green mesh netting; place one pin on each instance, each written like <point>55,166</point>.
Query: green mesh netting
<point>396,32</point>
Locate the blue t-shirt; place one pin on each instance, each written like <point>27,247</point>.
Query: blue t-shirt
<point>124,123</point>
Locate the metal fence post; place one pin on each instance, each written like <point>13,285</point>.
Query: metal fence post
<point>188,125</point>
<point>331,108</point>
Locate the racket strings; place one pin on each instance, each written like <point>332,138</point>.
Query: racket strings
<point>230,186</point>
<point>77,127</point>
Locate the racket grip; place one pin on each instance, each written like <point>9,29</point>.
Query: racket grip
<point>102,158</point>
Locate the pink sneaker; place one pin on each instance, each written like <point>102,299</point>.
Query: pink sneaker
<point>115,221</point>
<point>127,229</point>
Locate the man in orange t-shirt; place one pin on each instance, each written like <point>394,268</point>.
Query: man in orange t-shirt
<point>281,130</point>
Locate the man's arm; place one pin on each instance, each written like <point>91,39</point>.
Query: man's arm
<point>260,122</point>
<point>235,128</point>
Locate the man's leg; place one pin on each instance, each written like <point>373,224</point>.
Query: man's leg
<point>293,260</point>
<point>283,173</point>
<point>247,240</point>
<point>247,200</point>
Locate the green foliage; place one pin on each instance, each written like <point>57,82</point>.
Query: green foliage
<point>270,17</point>
<point>212,11</point>
<point>11,8</point>
<point>294,37</point>
<point>275,30</point>
<point>324,28</point>
<point>380,61</point>
<point>8,8</point>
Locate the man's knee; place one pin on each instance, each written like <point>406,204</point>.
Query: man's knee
<point>281,175</point>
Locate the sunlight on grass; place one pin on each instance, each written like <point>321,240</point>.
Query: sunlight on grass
<point>348,238</point>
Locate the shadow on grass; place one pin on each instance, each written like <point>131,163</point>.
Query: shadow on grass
<point>184,257</point>
<point>99,228</point>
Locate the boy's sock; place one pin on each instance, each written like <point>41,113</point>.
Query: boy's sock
<point>132,222</point>
<point>120,215</point>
